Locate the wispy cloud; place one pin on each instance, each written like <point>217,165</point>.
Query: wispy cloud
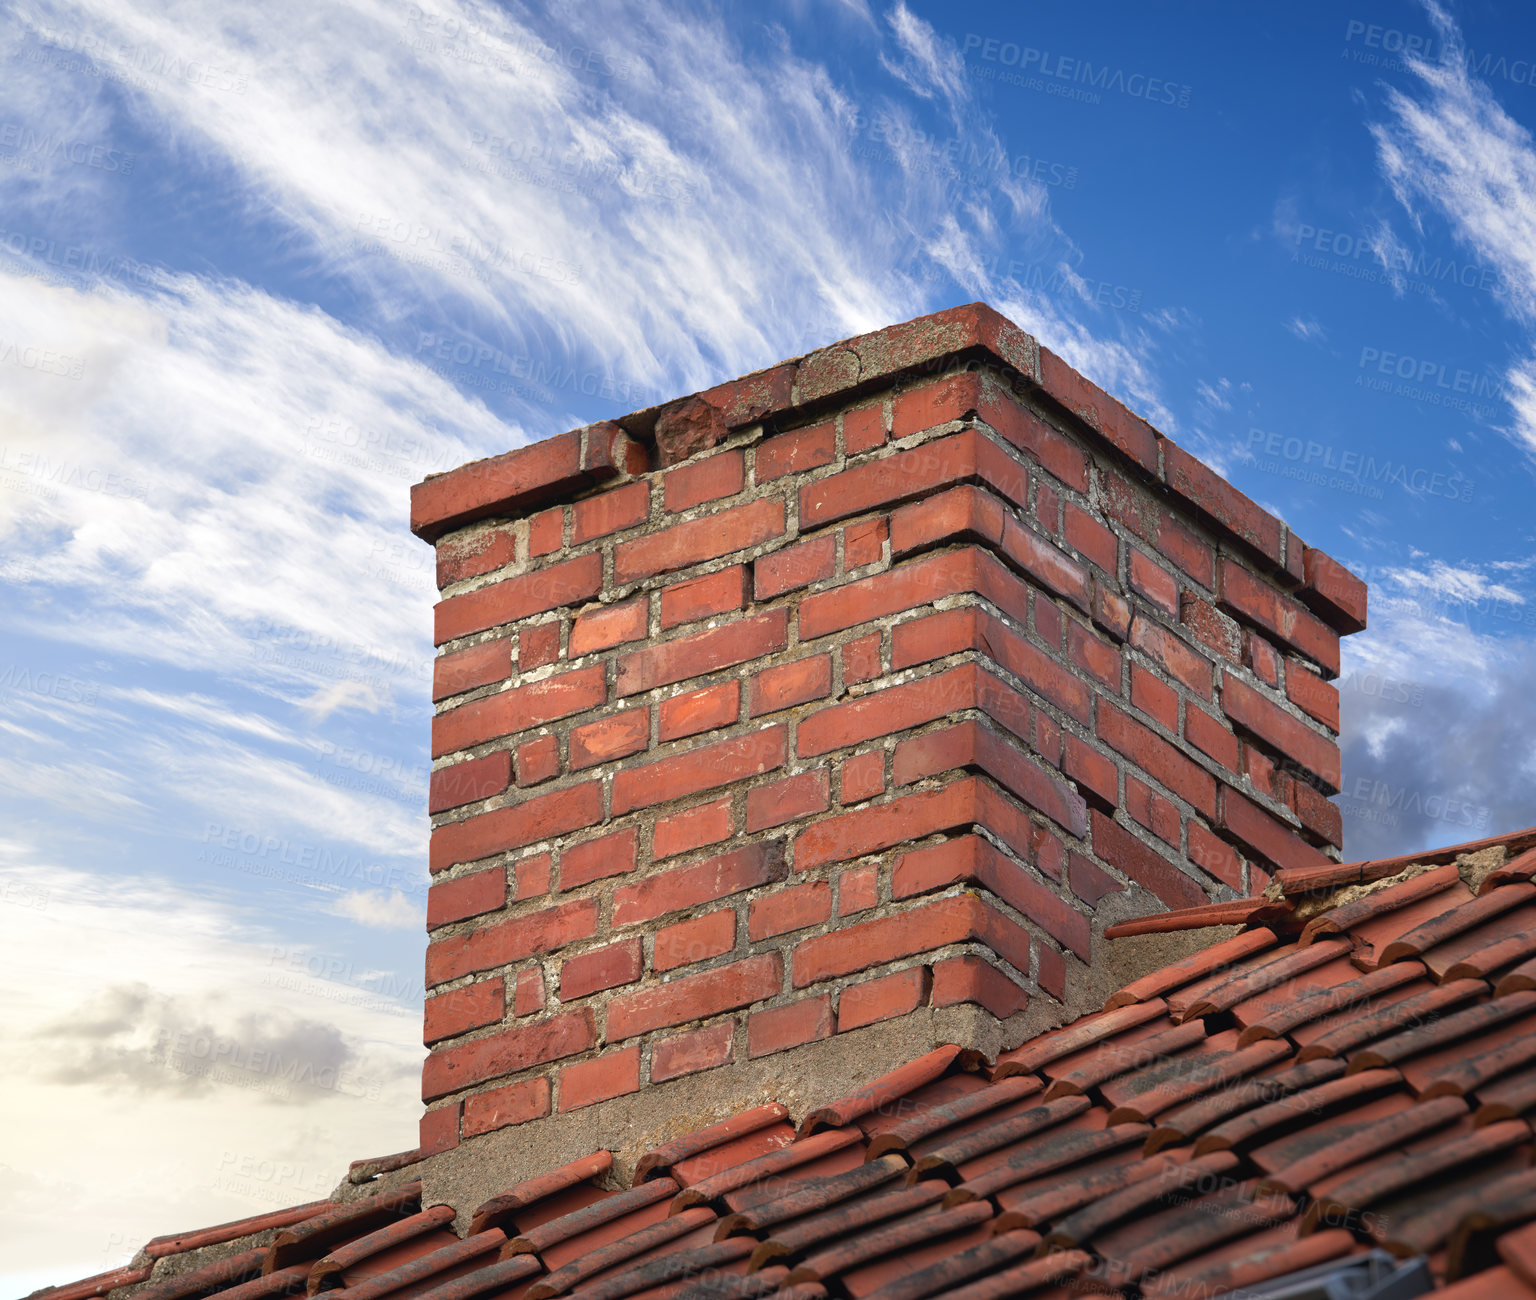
<point>1448,147</point>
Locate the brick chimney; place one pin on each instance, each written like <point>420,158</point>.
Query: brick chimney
<point>790,728</point>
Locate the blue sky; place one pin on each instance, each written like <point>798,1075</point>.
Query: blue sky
<point>260,270</point>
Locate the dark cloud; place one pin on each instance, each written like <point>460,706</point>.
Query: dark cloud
<point>1426,765</point>
<point>132,1037</point>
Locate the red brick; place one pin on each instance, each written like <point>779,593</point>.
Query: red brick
<point>904,587</point>
<point>468,557</point>
<point>706,479</point>
<point>517,709</point>
<point>608,512</point>
<point>1185,549</point>
<point>1340,595</point>
<point>1089,537</point>
<point>514,1049</point>
<point>602,968</point>
<point>1088,882</point>
<point>1319,815</point>
<point>531,876</point>
<point>863,429</point>
<point>695,997</point>
<point>1157,757</point>
<point>949,398</point>
<point>863,776</point>
<point>1053,568</point>
<point>1207,735</point>
<point>883,998</point>
<point>511,940</point>
<point>1091,769</point>
<point>1050,852</point>
<point>709,823</point>
<point>1261,658</point>
<point>616,736</point>
<point>567,583</point>
<point>609,625</point>
<point>1026,431</point>
<point>694,940</point>
<point>792,908</point>
<point>794,566</point>
<point>959,919</point>
<point>472,1007</point>
<point>795,452</point>
<point>970,859</point>
<point>1047,740</point>
<point>1266,836</point>
<point>462,783</point>
<point>785,801</point>
<point>973,979</point>
<point>703,652</point>
<point>696,598</point>
<point>1099,661</point>
<point>1047,508</point>
<point>861,659</point>
<point>458,900</point>
<point>703,1049</point>
<point>1260,771</point>
<point>472,491</point>
<point>546,531</point>
<point>1151,811</point>
<point>438,1130</point>
<point>604,1077</point>
<point>1309,692</point>
<point>1048,621</point>
<point>540,817</point>
<point>971,743</point>
<point>1208,492</point>
<point>1121,850</point>
<point>1155,698</point>
<point>517,1103</point>
<point>897,708</point>
<point>1213,629</point>
<point>698,540</point>
<point>1111,611</point>
<point>961,512</point>
<point>918,640</point>
<point>479,665</point>
<point>864,543</point>
<point>1183,663</point>
<point>858,890</point>
<point>1052,972</point>
<point>1215,856</point>
<point>700,711</point>
<point>1128,433</point>
<point>785,685</point>
<point>880,826</point>
<point>718,877</point>
<point>1246,707</point>
<point>777,1029</point>
<point>705,768</point>
<point>1249,597</point>
<point>539,645</point>
<point>608,855</point>
<point>1150,579</point>
<point>528,993</point>
<point>919,472</point>
<point>538,761</point>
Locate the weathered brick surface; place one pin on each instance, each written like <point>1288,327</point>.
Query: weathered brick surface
<point>854,694</point>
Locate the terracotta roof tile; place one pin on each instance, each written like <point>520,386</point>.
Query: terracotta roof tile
<point>1272,1103</point>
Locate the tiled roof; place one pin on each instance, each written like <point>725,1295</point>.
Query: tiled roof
<point>1356,1072</point>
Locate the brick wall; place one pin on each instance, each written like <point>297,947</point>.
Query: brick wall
<point>845,690</point>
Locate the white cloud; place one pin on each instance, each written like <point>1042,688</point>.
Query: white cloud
<point>1306,329</point>
<point>379,911</point>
